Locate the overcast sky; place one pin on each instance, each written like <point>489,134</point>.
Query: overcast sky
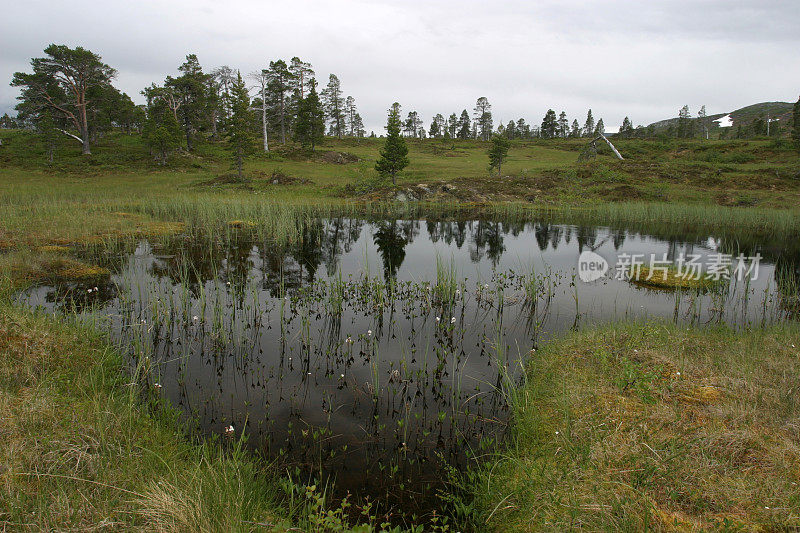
<point>644,59</point>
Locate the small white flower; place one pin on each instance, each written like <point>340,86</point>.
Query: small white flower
<point>635,351</point>
<point>96,289</point>
<point>228,283</point>
<point>229,430</point>
<point>157,386</point>
<point>792,345</point>
<point>369,333</point>
<point>309,373</point>
<point>766,507</point>
<point>438,319</point>
<point>194,318</point>
<point>89,290</point>
<point>677,373</point>
<point>486,286</point>
<point>458,292</point>
<point>348,340</point>
<point>341,376</point>
<point>556,432</point>
<point>453,320</point>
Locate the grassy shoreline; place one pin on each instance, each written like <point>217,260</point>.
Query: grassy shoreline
<point>635,426</point>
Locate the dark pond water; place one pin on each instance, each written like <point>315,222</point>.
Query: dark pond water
<point>381,353</point>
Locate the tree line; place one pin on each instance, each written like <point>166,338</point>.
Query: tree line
<point>70,92</point>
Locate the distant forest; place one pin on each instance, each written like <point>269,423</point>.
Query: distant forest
<point>70,92</point>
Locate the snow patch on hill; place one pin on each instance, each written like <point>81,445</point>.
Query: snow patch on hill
<point>725,122</point>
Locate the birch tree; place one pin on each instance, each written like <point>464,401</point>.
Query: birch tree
<point>262,81</point>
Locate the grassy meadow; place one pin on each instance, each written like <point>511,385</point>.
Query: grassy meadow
<point>622,427</point>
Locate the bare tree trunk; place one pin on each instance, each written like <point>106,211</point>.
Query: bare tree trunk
<point>264,114</point>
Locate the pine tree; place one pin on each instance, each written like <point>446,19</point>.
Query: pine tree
<point>190,88</point>
<point>796,123</point>
<point>334,105</point>
<point>549,125</point>
<point>498,152</point>
<point>394,155</point>
<point>588,126</point>
<point>701,115</point>
<point>239,128</point>
<point>563,125</point>
<point>452,125</point>
<point>309,128</point>
<point>483,117</point>
<point>627,128</point>
<point>684,117</point>
<point>278,90</point>
<point>576,129</point>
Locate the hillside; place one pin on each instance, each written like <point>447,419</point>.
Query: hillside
<point>777,111</point>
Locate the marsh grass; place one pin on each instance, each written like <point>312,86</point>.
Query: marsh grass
<point>652,426</point>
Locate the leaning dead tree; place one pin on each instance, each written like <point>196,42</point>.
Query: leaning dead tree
<point>590,151</point>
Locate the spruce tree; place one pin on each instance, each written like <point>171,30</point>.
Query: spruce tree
<point>464,124</point>
<point>498,152</point>
<point>394,155</point>
<point>239,128</point>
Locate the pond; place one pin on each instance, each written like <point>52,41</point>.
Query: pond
<point>380,354</point>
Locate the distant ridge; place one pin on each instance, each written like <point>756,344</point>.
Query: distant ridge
<point>780,111</point>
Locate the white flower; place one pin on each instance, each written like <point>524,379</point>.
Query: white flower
<point>96,289</point>
<point>369,333</point>
<point>342,376</point>
<point>556,432</point>
<point>194,318</point>
<point>348,340</point>
<point>89,290</point>
<point>486,286</point>
<point>635,351</point>
<point>229,430</point>
<point>157,386</point>
<point>438,319</point>
<point>458,292</point>
<point>227,283</point>
<point>453,320</point>
<point>677,373</point>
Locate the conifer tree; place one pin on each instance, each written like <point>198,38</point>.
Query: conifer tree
<point>498,152</point>
<point>464,124</point>
<point>452,125</point>
<point>278,88</point>
<point>394,155</point>
<point>483,117</point>
<point>549,125</point>
<point>600,128</point>
<point>239,128</point>
<point>576,129</point>
<point>309,128</point>
<point>588,126</point>
<point>335,105</point>
<point>563,124</point>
